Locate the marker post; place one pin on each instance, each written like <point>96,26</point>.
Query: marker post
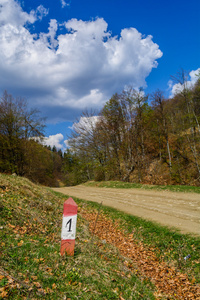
<point>68,232</point>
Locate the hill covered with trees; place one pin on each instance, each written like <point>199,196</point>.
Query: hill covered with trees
<point>140,139</point>
<point>135,138</point>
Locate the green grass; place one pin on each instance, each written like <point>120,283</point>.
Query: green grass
<point>30,227</point>
<point>129,185</point>
<point>30,263</point>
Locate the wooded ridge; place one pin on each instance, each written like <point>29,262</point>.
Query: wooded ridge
<point>134,138</point>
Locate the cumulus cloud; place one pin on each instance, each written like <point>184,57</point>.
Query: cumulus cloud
<point>54,140</point>
<point>178,87</point>
<point>67,73</point>
<point>11,13</point>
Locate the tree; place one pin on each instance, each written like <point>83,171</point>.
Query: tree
<point>76,168</point>
<point>17,125</point>
<point>137,112</point>
<point>123,126</point>
<point>112,144</point>
<point>189,118</point>
<point>112,123</point>
<point>161,118</point>
<point>84,144</point>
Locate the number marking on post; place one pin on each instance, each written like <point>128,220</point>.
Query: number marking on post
<point>69,227</point>
<point>68,232</point>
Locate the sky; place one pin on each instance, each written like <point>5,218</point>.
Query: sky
<point>68,56</point>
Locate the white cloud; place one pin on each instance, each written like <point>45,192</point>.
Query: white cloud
<point>49,39</point>
<point>66,142</point>
<point>40,12</point>
<point>84,127</point>
<point>86,124</point>
<point>54,140</point>
<point>65,73</point>
<point>12,13</point>
<point>178,87</point>
<point>194,75</point>
<point>64,3</point>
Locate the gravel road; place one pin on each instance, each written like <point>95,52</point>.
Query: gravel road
<point>179,210</point>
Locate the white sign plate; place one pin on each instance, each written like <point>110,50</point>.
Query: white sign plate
<point>69,228</point>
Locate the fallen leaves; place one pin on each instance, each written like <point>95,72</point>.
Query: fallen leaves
<point>54,286</point>
<point>12,283</point>
<point>3,292</point>
<point>168,281</point>
<point>20,243</point>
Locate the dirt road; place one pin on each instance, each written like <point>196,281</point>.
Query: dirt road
<point>180,210</point>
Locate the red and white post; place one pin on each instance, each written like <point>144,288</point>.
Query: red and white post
<point>68,232</point>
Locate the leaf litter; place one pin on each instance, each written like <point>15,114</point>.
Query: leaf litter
<point>169,282</point>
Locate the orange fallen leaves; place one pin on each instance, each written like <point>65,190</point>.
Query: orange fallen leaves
<point>54,286</point>
<point>3,293</point>
<point>20,243</point>
<point>13,283</point>
<point>37,284</point>
<point>167,280</point>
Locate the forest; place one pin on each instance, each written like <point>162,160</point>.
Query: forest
<point>134,138</point>
<point>21,150</point>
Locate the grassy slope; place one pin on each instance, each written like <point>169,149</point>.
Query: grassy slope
<point>31,266</point>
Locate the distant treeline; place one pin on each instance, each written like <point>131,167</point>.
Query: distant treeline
<point>137,138</point>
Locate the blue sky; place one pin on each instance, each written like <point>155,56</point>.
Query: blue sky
<point>67,56</point>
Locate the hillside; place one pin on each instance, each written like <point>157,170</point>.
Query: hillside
<point>134,138</point>
<point>116,256</point>
<point>138,139</point>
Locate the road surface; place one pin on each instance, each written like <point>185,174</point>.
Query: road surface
<point>179,210</point>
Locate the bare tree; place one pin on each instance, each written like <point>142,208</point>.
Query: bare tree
<point>17,125</point>
<point>158,103</point>
<point>189,120</point>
